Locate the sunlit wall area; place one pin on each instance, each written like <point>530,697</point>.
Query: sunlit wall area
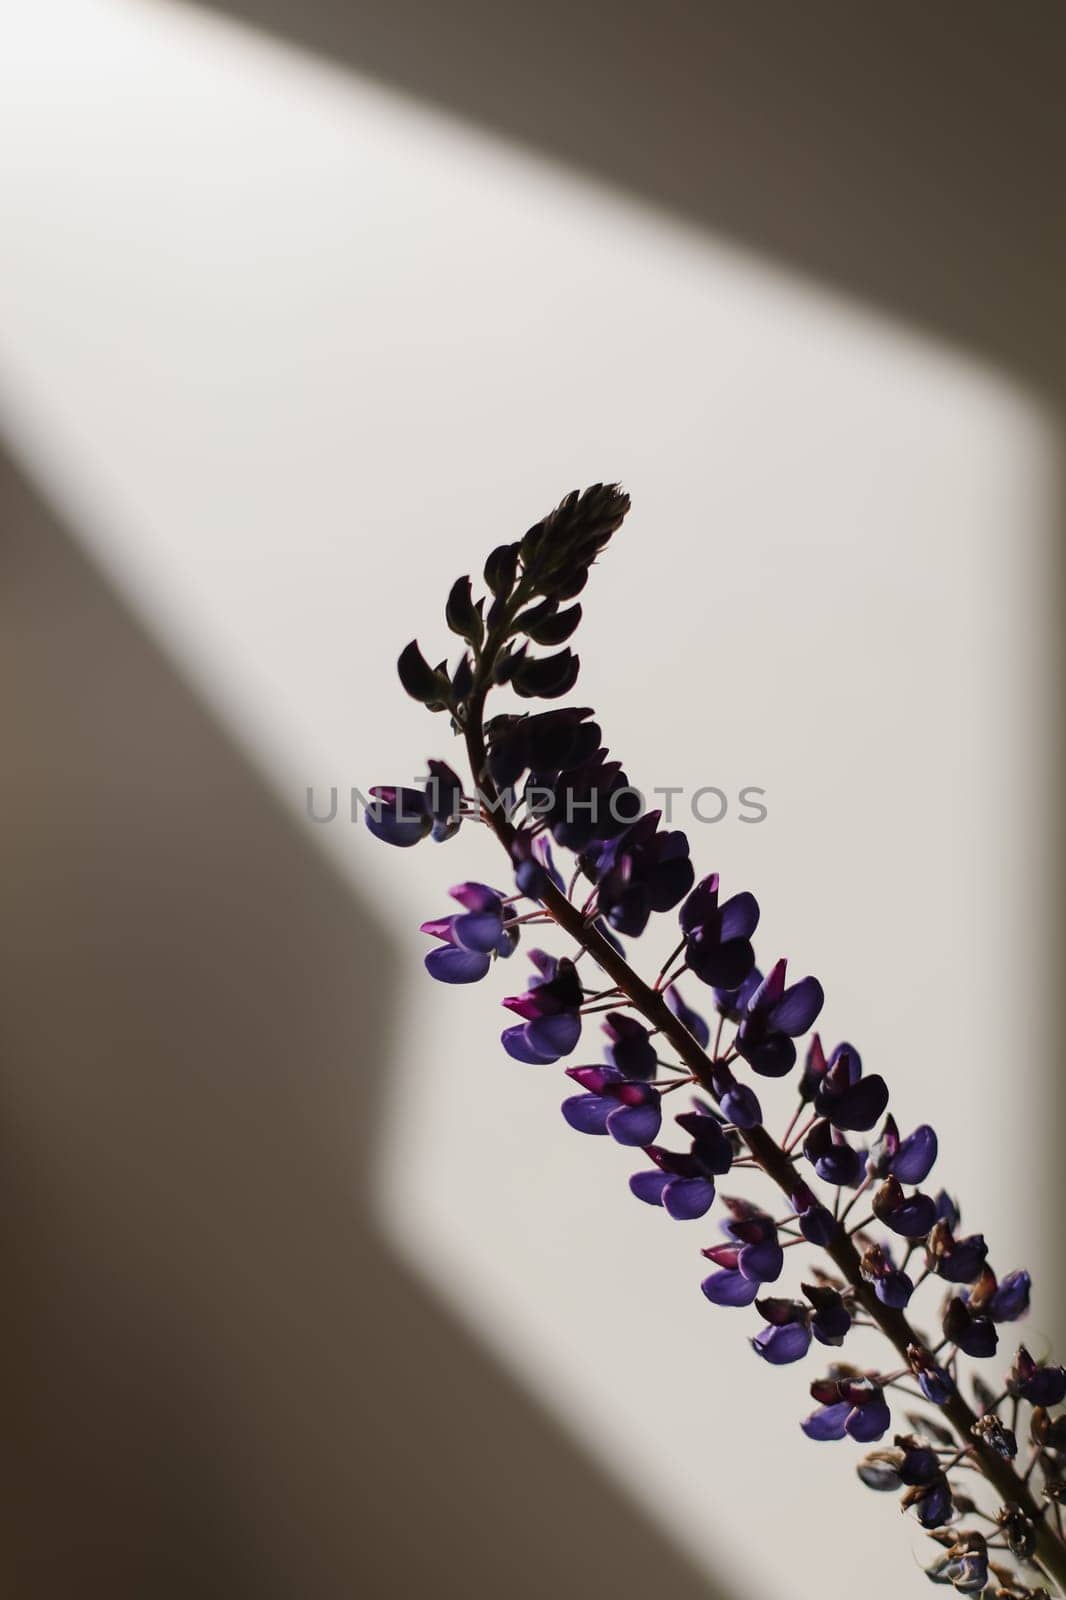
<point>292,351</point>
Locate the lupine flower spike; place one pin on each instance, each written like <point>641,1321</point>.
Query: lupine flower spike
<point>540,778</point>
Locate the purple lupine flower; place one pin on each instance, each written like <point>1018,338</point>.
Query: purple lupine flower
<point>630,1046</point>
<point>892,1286</point>
<point>752,1257</point>
<point>832,1157</point>
<point>471,938</point>
<point>1010,1298</point>
<point>738,1101</point>
<point>404,816</point>
<point>589,803</point>
<point>534,867</point>
<point>817,1223</point>
<point>691,1019</point>
<point>718,936</point>
<point>932,1502</point>
<point>733,1004</point>
<point>774,1017</point>
<point>728,1286</point>
<point>933,1381</point>
<point>551,1007</point>
<point>966,1563</point>
<point>787,1336</point>
<point>641,871</point>
<point>844,1097</point>
<point>972,1332</point>
<point>684,1183</point>
<point>1040,1384</point>
<point>911,1216</point>
<point>957,1260</point>
<point>831,1312</point>
<point>628,1110</point>
<point>910,1463</point>
<point>847,1405</point>
<point>755,1232</point>
<point>910,1160</point>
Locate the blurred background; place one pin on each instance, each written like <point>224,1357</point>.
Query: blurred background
<point>306,306</point>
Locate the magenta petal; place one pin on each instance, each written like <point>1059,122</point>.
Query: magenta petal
<point>450,965</point>
<point>476,896</point>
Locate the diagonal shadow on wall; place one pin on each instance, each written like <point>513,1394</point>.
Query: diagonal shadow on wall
<point>223,1384</point>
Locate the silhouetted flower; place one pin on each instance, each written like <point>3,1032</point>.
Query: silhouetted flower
<point>1041,1385</point>
<point>787,1336</point>
<point>641,871</point>
<point>684,1183</point>
<point>910,1159</point>
<point>832,1157</point>
<point>844,1096</point>
<point>404,816</point>
<point>629,1111</point>
<point>774,1017</point>
<point>912,1216</point>
<point>718,936</point>
<point>850,1405</point>
<point>551,1007</point>
<point>957,1260</point>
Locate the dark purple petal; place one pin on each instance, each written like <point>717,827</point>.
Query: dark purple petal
<point>914,1159</point>
<point>558,1034</point>
<point>762,1262</point>
<point>649,1186</point>
<point>450,965</point>
<point>516,1042</point>
<point>635,1125</point>
<point>478,930</point>
<point>780,1346</point>
<point>688,1198</point>
<point>398,816</point>
<point>730,1289</point>
<point>860,1106</point>
<point>871,1421</point>
<point>741,1105</point>
<point>913,1218</point>
<point>1011,1299</point>
<point>798,1008</point>
<point>894,1289</point>
<point>588,1113</point>
<point>827,1422</point>
<point>738,917</point>
<point>772,1057</point>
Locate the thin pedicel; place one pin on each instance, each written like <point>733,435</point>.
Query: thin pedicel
<point>627,868</point>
